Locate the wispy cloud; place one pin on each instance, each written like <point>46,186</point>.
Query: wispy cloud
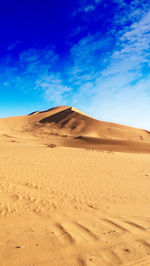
<point>37,60</point>
<point>86,7</point>
<point>13,45</point>
<point>35,70</point>
<point>30,65</point>
<point>54,88</point>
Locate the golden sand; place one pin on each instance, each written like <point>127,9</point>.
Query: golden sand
<point>73,191</point>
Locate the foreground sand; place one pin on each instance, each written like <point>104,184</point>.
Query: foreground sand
<point>67,206</point>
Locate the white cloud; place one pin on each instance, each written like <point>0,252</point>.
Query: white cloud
<point>53,88</point>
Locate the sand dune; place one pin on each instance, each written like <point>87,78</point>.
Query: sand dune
<point>65,206</point>
<point>68,126</point>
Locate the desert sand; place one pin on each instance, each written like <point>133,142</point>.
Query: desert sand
<point>73,191</point>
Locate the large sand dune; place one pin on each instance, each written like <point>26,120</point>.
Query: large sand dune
<point>68,126</point>
<point>78,203</point>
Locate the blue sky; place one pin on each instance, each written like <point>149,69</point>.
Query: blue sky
<point>91,54</point>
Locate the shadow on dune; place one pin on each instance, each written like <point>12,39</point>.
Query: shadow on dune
<point>58,117</point>
<point>107,144</point>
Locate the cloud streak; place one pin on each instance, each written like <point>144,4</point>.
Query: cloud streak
<point>13,45</point>
<point>85,7</point>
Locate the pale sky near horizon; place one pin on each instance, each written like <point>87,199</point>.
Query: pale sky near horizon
<point>90,54</point>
